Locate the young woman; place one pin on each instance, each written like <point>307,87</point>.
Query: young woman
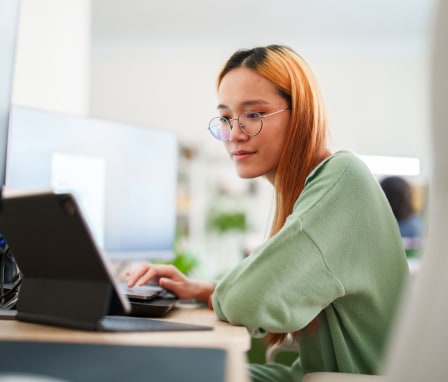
<point>333,267</point>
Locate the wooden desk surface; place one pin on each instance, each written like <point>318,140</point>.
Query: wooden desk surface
<point>235,340</point>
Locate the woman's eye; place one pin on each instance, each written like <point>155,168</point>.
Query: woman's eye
<point>253,114</point>
<point>224,119</point>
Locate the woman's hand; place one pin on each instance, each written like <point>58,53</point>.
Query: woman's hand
<point>170,278</point>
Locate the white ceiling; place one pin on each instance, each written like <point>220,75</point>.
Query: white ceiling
<point>240,22</point>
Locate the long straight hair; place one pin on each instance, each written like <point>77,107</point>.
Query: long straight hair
<point>306,142</point>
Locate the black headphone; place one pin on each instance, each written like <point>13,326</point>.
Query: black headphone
<point>10,277</point>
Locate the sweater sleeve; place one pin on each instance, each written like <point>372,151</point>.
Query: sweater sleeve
<point>275,289</point>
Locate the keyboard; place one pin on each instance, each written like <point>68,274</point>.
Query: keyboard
<point>145,292</point>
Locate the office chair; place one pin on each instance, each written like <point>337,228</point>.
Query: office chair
<point>419,348</point>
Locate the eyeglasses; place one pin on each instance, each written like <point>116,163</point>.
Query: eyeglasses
<point>250,123</point>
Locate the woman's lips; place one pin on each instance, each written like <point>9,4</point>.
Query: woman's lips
<point>242,154</point>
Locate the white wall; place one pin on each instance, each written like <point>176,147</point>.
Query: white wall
<point>377,101</point>
<point>164,88</point>
<point>53,55</point>
<point>376,96</point>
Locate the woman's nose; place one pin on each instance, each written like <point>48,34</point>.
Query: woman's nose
<point>236,133</point>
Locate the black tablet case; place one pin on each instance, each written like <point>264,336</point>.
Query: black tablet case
<point>66,280</point>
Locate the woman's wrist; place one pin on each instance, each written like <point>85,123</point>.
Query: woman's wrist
<point>204,291</point>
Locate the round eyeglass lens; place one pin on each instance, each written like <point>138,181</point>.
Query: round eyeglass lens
<point>219,127</point>
<point>251,122</point>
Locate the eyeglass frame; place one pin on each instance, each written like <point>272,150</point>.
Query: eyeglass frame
<point>240,125</point>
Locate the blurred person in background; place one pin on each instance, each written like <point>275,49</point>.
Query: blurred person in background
<point>400,196</point>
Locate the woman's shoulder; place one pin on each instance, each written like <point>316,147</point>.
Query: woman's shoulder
<point>338,163</point>
<point>343,173</point>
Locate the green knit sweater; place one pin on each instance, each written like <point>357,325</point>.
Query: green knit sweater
<point>338,259</point>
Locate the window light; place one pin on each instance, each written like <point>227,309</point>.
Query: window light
<point>387,165</point>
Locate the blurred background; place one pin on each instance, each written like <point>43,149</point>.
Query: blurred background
<point>154,63</point>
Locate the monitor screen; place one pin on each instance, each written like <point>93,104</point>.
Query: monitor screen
<point>9,10</point>
<point>123,176</point>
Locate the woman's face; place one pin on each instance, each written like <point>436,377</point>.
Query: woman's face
<point>241,90</point>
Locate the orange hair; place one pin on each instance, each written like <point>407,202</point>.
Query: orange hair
<point>306,141</point>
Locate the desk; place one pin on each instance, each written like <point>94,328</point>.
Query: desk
<point>234,339</point>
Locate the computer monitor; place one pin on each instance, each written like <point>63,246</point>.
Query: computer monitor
<point>9,12</point>
<point>124,176</point>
